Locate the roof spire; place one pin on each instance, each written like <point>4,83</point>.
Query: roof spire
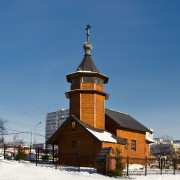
<point>87,46</point>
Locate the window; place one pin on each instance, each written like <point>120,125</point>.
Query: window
<point>96,80</point>
<point>87,79</point>
<point>76,81</point>
<point>74,144</point>
<point>133,145</point>
<point>126,145</point>
<point>73,125</point>
<point>100,81</point>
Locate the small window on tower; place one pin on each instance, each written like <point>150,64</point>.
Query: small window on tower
<point>76,81</point>
<point>87,79</point>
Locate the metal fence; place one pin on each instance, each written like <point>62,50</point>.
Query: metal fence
<point>145,166</point>
<point>101,164</point>
<point>39,155</point>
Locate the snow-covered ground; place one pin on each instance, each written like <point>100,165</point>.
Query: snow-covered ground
<point>10,170</point>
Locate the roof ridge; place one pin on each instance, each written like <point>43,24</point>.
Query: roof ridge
<point>118,111</point>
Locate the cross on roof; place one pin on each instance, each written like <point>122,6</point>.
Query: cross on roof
<point>87,29</point>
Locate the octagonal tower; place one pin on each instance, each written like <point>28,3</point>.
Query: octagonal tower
<point>87,96</point>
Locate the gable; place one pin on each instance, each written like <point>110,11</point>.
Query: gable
<point>98,134</point>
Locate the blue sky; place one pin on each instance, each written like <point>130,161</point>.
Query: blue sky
<point>135,43</point>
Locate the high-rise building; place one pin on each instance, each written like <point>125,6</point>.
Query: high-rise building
<point>54,121</point>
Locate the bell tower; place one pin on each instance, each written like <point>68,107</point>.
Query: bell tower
<point>87,96</point>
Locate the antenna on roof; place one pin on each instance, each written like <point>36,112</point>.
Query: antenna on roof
<point>87,29</point>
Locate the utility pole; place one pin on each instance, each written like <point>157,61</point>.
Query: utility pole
<point>34,133</point>
<point>31,138</point>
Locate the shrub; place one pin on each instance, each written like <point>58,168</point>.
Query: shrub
<point>20,155</point>
<point>119,165</point>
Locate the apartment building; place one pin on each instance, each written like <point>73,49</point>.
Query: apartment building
<point>54,121</point>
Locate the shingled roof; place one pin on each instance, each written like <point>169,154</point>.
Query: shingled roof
<point>126,121</point>
<point>87,64</point>
<point>87,68</point>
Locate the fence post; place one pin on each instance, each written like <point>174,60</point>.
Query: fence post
<point>161,165</point>
<point>78,162</point>
<point>4,151</point>
<point>146,167</point>
<point>19,152</point>
<point>53,152</point>
<point>106,164</point>
<point>174,166</point>
<point>46,156</point>
<point>56,164</point>
<point>30,151</point>
<point>56,158</point>
<point>127,165</point>
<point>36,155</point>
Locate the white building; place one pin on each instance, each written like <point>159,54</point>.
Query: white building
<point>54,120</point>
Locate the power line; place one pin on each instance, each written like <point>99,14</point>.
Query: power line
<point>30,126</point>
<point>20,132</point>
<point>38,134</point>
<point>25,132</point>
<point>25,125</point>
<point>34,110</point>
<point>13,130</point>
<point>14,133</point>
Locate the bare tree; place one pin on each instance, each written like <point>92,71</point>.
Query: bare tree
<point>17,140</point>
<point>160,150</point>
<point>2,129</point>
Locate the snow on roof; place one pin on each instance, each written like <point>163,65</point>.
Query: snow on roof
<point>149,137</point>
<point>85,71</point>
<point>103,136</point>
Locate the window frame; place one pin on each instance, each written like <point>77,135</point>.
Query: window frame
<point>133,145</point>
